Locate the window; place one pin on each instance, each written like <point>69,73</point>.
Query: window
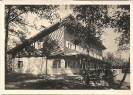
<point>71,64</point>
<point>94,66</point>
<point>69,45</point>
<point>91,53</point>
<point>20,64</point>
<point>99,66</point>
<point>84,65</point>
<point>67,64</point>
<point>57,64</point>
<point>75,47</point>
<point>40,45</point>
<point>94,55</point>
<point>77,64</point>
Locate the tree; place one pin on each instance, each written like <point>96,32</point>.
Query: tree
<point>123,26</point>
<point>97,17</point>
<point>113,61</point>
<point>14,17</point>
<point>121,23</point>
<point>93,19</point>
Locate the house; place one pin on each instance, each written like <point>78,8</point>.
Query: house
<point>55,51</point>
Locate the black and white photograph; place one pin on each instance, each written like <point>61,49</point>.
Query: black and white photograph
<point>67,47</point>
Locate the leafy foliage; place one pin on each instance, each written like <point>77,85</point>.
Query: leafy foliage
<point>122,25</point>
<point>17,17</point>
<point>14,17</point>
<point>97,17</point>
<point>113,61</point>
<point>94,16</point>
<point>81,32</point>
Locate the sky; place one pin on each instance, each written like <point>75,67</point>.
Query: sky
<point>110,43</point>
<point>108,37</point>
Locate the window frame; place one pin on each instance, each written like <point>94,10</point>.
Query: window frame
<point>56,65</point>
<point>20,64</point>
<point>70,64</point>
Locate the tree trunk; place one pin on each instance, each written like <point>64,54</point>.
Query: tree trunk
<point>6,36</point>
<point>123,79</point>
<point>46,66</point>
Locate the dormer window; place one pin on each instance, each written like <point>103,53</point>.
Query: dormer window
<point>69,45</point>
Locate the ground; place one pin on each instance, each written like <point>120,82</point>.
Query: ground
<point>126,84</point>
<point>28,81</point>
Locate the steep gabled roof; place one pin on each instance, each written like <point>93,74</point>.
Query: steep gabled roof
<point>42,34</point>
<point>38,36</point>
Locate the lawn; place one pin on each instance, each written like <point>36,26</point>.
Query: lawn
<point>38,82</point>
<point>29,81</point>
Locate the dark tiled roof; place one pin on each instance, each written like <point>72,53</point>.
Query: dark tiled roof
<point>42,34</point>
<point>35,38</point>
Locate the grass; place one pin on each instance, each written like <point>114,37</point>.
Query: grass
<point>16,77</point>
<point>38,82</point>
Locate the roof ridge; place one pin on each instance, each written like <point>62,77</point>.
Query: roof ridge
<point>39,35</point>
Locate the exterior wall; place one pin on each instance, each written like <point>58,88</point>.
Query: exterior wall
<point>37,65</point>
<point>69,40</point>
<point>32,65</point>
<point>94,51</point>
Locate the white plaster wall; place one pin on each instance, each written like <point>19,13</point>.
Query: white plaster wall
<point>37,65</point>
<point>33,65</point>
<point>49,66</point>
